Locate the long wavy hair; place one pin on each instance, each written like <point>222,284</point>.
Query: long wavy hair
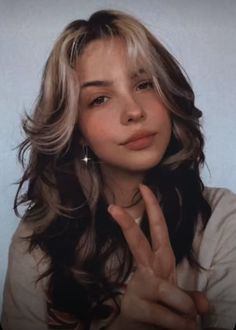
<point>87,253</point>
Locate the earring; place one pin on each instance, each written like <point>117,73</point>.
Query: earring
<point>85,157</point>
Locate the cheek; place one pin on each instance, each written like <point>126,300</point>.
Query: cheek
<point>164,123</point>
<point>94,130</point>
<point>167,127</point>
<point>168,122</point>
<point>162,117</point>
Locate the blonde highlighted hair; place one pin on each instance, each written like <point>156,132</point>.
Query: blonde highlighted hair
<point>51,128</point>
<point>62,208</point>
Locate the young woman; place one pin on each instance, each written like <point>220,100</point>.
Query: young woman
<point>119,231</point>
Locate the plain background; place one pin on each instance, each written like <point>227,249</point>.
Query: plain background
<point>201,34</point>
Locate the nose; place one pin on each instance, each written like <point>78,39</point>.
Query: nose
<point>132,111</point>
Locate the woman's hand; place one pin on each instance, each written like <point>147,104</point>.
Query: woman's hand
<point>159,256</point>
<point>152,297</point>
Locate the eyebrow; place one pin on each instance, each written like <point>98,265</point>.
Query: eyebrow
<point>97,83</point>
<point>140,72</point>
<point>107,83</point>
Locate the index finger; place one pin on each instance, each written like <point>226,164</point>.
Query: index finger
<point>158,228</point>
<point>137,242</point>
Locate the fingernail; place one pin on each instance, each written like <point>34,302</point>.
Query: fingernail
<point>141,185</point>
<point>110,208</point>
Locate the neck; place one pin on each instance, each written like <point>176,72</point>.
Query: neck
<point>122,188</point>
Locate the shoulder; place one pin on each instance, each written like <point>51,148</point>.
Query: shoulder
<point>20,238</point>
<point>217,244</point>
<point>220,231</point>
<point>24,299</point>
<point>220,197</point>
<point>23,263</point>
<point>223,206</point>
<point>19,248</point>
<point>217,254</point>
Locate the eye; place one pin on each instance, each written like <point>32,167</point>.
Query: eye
<point>99,100</point>
<point>148,84</point>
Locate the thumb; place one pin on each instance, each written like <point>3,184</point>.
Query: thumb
<point>200,300</point>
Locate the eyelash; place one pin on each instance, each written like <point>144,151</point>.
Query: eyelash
<point>148,83</point>
<point>96,102</point>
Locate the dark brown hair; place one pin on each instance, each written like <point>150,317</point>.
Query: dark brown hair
<point>70,220</point>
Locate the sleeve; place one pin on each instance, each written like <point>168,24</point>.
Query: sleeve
<point>218,257</point>
<point>24,300</point>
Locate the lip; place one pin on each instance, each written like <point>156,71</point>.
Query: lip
<point>140,140</point>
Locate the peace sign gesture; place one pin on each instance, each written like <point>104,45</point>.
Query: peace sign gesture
<point>152,298</point>
<point>159,255</point>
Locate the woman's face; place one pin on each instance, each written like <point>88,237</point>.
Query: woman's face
<point>121,116</point>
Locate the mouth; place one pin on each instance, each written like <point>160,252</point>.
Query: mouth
<point>139,141</point>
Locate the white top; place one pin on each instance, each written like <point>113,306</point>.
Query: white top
<point>24,304</point>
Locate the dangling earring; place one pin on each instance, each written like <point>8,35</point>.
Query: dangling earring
<point>85,157</point>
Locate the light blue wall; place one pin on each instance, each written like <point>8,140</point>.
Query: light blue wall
<point>202,35</point>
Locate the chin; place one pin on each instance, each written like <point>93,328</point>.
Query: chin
<point>144,164</point>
